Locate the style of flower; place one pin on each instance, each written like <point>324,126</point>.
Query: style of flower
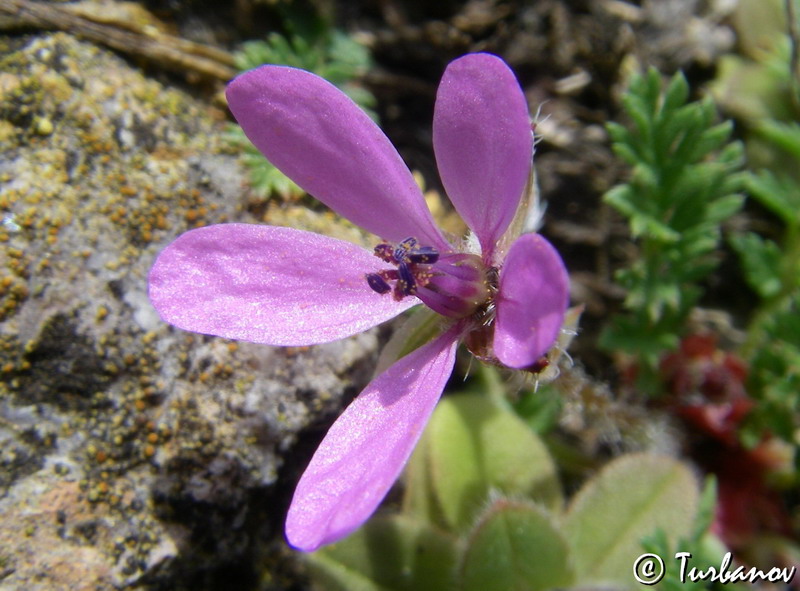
<point>504,296</point>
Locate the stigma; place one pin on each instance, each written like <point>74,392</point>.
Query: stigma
<point>452,284</point>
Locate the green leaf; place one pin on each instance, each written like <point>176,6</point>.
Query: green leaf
<point>724,207</point>
<point>706,508</point>
<point>626,334</point>
<point>515,546</point>
<point>628,500</point>
<point>785,136</point>
<point>779,195</point>
<point>683,185</point>
<point>713,138</point>
<point>387,554</point>
<point>422,325</point>
<point>476,446</point>
<point>618,133</point>
<point>677,92</point>
<point>419,500</point>
<point>761,263</point>
<point>540,410</point>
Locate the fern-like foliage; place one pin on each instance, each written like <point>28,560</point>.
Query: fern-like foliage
<point>772,269</point>
<point>684,184</point>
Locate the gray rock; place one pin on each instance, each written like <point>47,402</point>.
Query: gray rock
<point>132,454</point>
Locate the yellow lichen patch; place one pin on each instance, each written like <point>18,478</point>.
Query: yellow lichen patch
<point>101,313</point>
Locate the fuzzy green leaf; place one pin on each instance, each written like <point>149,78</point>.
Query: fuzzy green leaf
<point>515,546</point>
<point>387,554</point>
<point>632,497</point>
<point>475,446</point>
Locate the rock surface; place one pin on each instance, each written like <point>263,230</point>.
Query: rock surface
<point>132,454</point>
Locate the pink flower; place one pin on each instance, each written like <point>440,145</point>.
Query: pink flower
<point>505,298</point>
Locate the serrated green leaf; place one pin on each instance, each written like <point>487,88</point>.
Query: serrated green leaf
<point>387,554</point>
<point>650,89</point>
<point>629,499</point>
<point>706,508</point>
<point>721,209</point>
<point>618,133</point>
<point>677,92</point>
<point>779,195</point>
<point>621,198</point>
<point>761,263</point>
<point>626,153</point>
<point>785,136</point>
<point>655,229</point>
<point>678,195</point>
<point>267,180</point>
<point>476,446</point>
<point>515,546</point>
<point>700,145</point>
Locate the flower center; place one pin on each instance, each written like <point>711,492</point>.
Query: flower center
<point>452,284</point>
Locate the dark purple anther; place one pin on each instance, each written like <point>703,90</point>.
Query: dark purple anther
<point>413,270</point>
<point>424,255</point>
<point>402,250</point>
<point>406,284</point>
<point>378,283</point>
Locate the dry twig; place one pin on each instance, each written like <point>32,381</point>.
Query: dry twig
<point>90,21</point>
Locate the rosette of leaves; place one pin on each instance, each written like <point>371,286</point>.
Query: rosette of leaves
<point>684,183</point>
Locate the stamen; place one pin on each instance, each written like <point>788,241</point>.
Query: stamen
<point>378,283</point>
<point>384,252</point>
<point>425,255</point>
<point>402,250</point>
<point>406,284</point>
<point>454,285</point>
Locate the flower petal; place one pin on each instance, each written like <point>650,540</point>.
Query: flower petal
<point>268,284</point>
<point>319,138</point>
<point>532,299</point>
<point>368,445</point>
<point>483,142</point>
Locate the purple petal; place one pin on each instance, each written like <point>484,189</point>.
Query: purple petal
<point>483,142</point>
<point>531,302</point>
<point>367,447</point>
<point>267,284</point>
<point>320,139</point>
